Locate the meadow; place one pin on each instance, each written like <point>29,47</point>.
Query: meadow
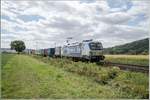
<point>129,59</point>
<point>26,76</point>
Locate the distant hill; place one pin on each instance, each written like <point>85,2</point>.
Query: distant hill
<point>136,47</point>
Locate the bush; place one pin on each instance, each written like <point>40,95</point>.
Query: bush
<point>106,75</point>
<point>129,83</point>
<point>102,78</point>
<point>113,72</point>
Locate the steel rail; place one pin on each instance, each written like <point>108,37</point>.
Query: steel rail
<point>130,67</point>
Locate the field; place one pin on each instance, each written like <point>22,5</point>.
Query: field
<point>129,59</point>
<point>26,76</point>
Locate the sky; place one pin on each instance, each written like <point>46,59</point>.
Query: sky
<point>48,23</point>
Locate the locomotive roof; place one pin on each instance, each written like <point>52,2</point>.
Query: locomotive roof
<point>78,43</point>
<point>73,44</point>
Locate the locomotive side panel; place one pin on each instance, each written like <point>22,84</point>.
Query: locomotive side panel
<point>75,51</point>
<point>85,51</point>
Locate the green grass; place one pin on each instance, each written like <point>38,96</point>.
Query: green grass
<point>129,59</point>
<point>26,77</point>
<point>111,77</point>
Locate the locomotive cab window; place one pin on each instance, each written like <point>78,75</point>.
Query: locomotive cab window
<point>95,46</point>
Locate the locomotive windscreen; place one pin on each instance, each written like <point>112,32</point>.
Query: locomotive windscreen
<point>95,46</point>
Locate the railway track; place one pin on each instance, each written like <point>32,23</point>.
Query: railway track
<point>129,67</point>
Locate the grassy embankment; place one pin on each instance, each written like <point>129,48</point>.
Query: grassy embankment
<point>27,77</point>
<point>129,59</point>
<point>128,84</point>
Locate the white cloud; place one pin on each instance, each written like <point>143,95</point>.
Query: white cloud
<point>62,19</point>
<point>140,6</point>
<point>116,18</point>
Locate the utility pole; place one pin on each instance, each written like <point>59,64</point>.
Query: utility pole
<point>36,44</point>
<point>54,44</point>
<point>68,39</point>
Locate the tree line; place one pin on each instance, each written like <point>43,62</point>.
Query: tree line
<point>136,47</point>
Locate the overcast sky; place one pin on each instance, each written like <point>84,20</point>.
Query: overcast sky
<point>42,24</point>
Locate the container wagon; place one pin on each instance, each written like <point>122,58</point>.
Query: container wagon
<point>58,51</point>
<point>51,52</point>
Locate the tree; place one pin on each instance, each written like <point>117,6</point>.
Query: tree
<point>18,45</point>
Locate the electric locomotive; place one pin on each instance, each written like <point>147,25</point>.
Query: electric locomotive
<point>87,50</point>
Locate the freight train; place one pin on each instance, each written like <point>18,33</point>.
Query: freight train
<point>86,50</point>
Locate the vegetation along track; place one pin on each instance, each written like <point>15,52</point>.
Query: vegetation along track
<point>130,67</point>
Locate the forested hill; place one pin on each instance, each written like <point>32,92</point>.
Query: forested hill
<point>136,47</point>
